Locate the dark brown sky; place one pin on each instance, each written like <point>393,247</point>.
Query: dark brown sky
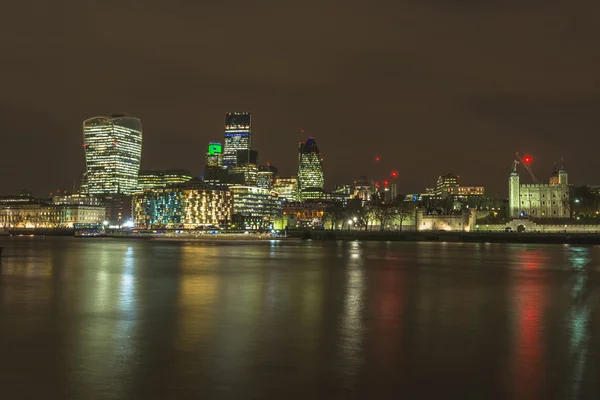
<point>431,86</point>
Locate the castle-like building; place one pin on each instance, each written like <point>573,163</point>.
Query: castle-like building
<point>540,200</point>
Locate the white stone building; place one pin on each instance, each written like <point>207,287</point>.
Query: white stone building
<point>541,200</point>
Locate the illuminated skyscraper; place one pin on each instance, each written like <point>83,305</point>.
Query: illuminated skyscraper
<point>266,176</point>
<point>238,136</point>
<point>246,166</point>
<point>310,170</point>
<point>214,155</point>
<point>113,151</point>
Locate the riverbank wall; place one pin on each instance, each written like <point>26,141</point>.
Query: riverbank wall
<point>466,237</point>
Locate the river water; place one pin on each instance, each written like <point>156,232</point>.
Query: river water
<point>127,319</point>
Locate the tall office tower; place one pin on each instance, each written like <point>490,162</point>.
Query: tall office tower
<point>113,152</point>
<point>246,166</point>
<point>266,176</point>
<point>447,185</point>
<point>214,155</point>
<point>310,170</point>
<point>83,183</point>
<point>238,136</point>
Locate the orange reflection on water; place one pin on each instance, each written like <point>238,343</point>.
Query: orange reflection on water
<point>197,294</point>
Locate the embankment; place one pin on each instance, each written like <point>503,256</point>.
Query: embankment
<point>475,237</point>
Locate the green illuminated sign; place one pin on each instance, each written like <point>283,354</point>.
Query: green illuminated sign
<point>215,148</point>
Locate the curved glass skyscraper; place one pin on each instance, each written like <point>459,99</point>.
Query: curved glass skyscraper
<point>113,151</point>
<point>311,182</point>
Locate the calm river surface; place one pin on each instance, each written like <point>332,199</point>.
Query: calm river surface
<point>119,319</point>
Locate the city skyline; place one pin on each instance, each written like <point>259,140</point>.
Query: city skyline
<point>430,87</point>
<point>382,174</point>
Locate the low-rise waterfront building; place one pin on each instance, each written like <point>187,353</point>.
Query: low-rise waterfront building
<point>183,206</point>
<point>43,215</point>
<point>254,207</point>
<point>308,213</point>
<point>76,199</point>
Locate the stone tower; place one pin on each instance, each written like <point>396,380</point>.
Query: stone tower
<point>563,178</point>
<point>514,205</point>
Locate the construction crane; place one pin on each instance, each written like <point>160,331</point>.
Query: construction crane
<point>526,161</point>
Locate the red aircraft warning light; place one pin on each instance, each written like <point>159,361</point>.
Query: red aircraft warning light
<point>386,183</point>
<point>527,160</point>
<point>377,159</point>
<point>394,174</point>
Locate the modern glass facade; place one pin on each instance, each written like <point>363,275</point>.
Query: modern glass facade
<point>249,201</point>
<point>156,179</point>
<point>113,152</point>
<point>266,176</point>
<point>287,188</point>
<point>238,136</point>
<point>182,207</point>
<point>310,170</point>
<point>151,179</point>
<point>265,179</point>
<point>177,176</point>
<point>447,185</point>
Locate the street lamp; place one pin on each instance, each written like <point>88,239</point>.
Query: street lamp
<point>349,224</point>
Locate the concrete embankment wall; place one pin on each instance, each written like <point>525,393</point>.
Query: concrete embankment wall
<point>39,232</point>
<point>476,237</point>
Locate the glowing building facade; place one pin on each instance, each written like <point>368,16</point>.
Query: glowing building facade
<point>266,176</point>
<point>113,152</point>
<point>156,179</point>
<point>287,188</point>
<point>539,200</point>
<point>47,216</point>
<point>238,136</point>
<point>311,182</point>
<point>255,207</point>
<point>150,179</point>
<point>185,206</point>
<point>214,155</point>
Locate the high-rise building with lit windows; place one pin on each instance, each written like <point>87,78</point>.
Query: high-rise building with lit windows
<point>311,182</point>
<point>113,152</point>
<point>266,176</point>
<point>254,207</point>
<point>214,155</point>
<point>155,179</point>
<point>238,136</point>
<point>287,187</point>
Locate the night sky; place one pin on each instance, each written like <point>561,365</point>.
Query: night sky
<point>430,86</point>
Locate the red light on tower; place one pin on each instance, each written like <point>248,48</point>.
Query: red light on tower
<point>394,174</point>
<point>377,159</point>
<point>527,160</point>
<point>386,183</point>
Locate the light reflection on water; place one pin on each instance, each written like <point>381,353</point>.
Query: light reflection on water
<point>125,319</point>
